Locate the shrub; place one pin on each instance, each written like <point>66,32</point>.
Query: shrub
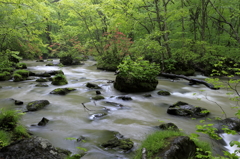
<point>139,69</point>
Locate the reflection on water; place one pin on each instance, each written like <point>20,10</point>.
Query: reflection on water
<point>136,119</point>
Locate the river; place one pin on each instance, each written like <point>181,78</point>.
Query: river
<point>135,120</point>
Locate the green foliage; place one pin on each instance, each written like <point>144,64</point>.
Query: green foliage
<point>24,73</point>
<point>139,69</point>
<point>59,79</point>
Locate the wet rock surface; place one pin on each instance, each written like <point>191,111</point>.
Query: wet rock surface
<point>37,105</point>
<point>62,91</point>
<point>181,147</point>
<point>119,142</point>
<point>32,148</point>
<point>186,110</point>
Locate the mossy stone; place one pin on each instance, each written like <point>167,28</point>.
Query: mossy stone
<point>62,91</point>
<point>163,93</point>
<point>37,105</point>
<point>98,97</point>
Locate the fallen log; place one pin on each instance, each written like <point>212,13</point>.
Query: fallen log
<point>191,80</point>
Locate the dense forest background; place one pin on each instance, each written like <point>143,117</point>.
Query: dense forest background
<point>179,35</point>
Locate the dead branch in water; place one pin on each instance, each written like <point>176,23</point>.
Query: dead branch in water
<point>191,80</point>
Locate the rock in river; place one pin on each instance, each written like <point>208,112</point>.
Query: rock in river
<point>37,105</point>
<point>184,109</point>
<point>32,148</point>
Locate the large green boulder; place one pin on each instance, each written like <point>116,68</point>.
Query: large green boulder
<point>124,84</point>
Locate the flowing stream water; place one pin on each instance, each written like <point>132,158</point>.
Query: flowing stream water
<point>138,117</point>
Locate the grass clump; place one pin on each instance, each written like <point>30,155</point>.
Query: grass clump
<point>157,141</point>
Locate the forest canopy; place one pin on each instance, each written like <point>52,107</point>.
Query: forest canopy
<point>179,35</point>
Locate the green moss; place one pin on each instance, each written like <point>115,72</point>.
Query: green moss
<point>59,79</point>
<point>17,77</point>
<point>49,64</point>
<point>5,76</point>
<point>21,66</point>
<point>23,73</point>
<point>156,141</point>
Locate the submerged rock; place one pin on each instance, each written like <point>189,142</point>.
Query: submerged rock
<point>163,93</point>
<point>98,97</point>
<point>62,91</point>
<point>37,105</point>
<point>92,85</point>
<point>41,85</point>
<point>32,148</point>
<point>230,123</point>
<point>124,97</point>
<point>43,122</point>
<point>18,102</point>
<point>184,109</point>
<point>97,116</point>
<point>41,80</point>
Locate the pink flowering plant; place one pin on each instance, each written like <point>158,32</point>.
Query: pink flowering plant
<point>115,47</point>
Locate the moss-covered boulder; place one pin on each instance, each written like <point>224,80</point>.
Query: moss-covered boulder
<point>119,142</point>
<point>59,80</point>
<point>62,91</point>
<point>98,97</point>
<point>4,76</point>
<point>163,93</point>
<point>17,77</point>
<point>23,73</point>
<point>37,105</point>
<point>186,110</point>
<point>92,85</point>
<point>125,84</point>
<point>21,66</point>
<point>55,72</point>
